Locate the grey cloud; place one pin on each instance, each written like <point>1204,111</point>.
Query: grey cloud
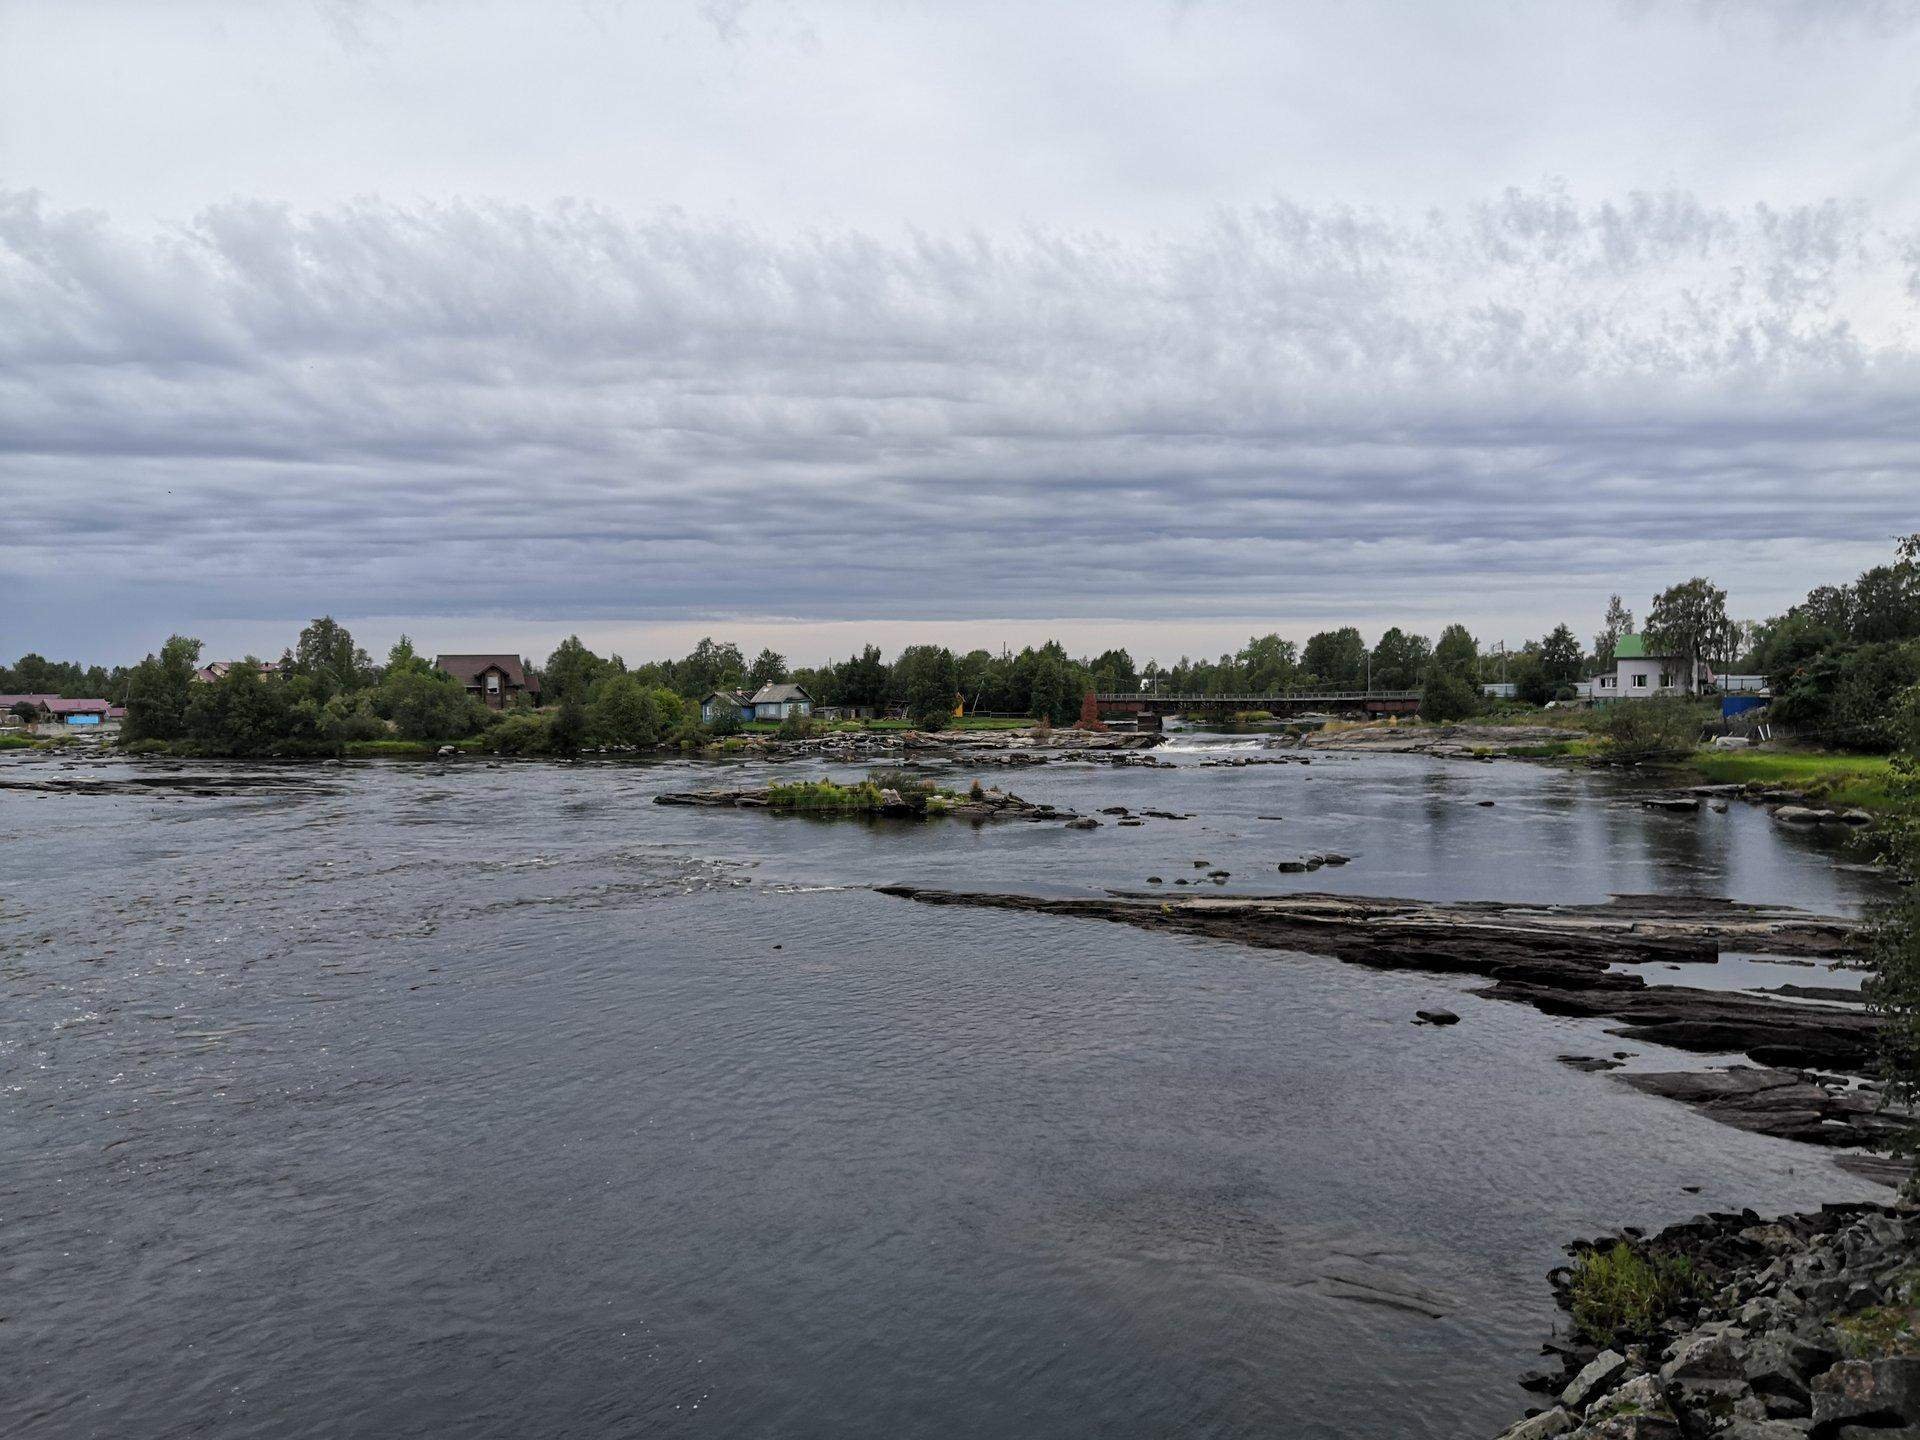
<point>1310,412</point>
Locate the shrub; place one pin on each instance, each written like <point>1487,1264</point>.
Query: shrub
<point>1637,731</point>
<point>521,733</point>
<point>826,796</point>
<point>1620,1295</point>
<point>795,727</point>
<point>1446,695</point>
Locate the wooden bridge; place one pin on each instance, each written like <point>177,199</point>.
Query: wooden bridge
<point>1292,702</point>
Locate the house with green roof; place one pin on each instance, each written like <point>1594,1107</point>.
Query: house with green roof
<point>1641,672</point>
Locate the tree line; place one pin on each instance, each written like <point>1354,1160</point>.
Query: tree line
<point>1835,662</point>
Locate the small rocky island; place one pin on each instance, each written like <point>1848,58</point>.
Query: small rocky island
<point>897,798</point>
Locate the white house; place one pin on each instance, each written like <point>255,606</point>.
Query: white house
<point>1639,673</point>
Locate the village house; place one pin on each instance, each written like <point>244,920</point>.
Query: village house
<point>1640,672</point>
<point>769,702</point>
<point>56,710</point>
<point>493,680</point>
<point>217,669</point>
<point>777,702</point>
<point>723,702</point>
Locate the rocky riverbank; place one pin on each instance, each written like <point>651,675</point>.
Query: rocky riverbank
<point>1558,959</point>
<point>1804,1326</point>
<point>1453,742</point>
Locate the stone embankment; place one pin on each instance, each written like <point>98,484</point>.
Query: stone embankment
<point>1801,1328</point>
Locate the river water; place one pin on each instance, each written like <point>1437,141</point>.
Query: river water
<point>494,1100</point>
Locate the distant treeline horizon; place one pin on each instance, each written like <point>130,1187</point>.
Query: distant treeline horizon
<point>1852,644</point>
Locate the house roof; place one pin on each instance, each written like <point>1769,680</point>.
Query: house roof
<point>733,697</point>
<point>56,705</point>
<point>774,694</point>
<point>468,669</point>
<point>1631,647</point>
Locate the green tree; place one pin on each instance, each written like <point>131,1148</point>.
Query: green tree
<point>1560,660</point>
<point>1458,653</point>
<point>1270,665</point>
<point>626,712</point>
<point>405,659</point>
<point>926,679</point>
<point>568,731</point>
<point>1336,659</point>
<point>711,665</point>
<point>1617,622</point>
<point>1398,660</point>
<point>243,714</point>
<point>1689,620</point>
<point>158,690</point>
<point>862,679</point>
<point>570,672</point>
<point>427,705</point>
<point>327,658</point>
<point>768,668</point>
<point>1446,695</point>
<point>1893,989</point>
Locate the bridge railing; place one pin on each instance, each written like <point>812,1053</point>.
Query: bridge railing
<point>1253,701</point>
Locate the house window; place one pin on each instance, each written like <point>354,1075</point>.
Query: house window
<point>493,684</point>
<point>1665,679</point>
<point>1640,682</point>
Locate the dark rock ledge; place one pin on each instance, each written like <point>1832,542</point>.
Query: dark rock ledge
<point>1804,1326</point>
<point>1555,958</point>
<point>992,805</point>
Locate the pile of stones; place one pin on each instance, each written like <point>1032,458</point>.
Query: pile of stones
<point>1811,1328</point>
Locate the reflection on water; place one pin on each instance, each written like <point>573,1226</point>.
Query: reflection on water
<point>500,1101</point>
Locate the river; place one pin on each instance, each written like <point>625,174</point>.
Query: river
<point>495,1100</point>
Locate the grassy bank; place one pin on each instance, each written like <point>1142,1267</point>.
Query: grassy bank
<point>1840,779</point>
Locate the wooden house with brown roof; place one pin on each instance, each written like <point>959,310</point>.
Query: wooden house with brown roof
<point>493,680</point>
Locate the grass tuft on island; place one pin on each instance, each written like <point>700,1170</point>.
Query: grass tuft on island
<point>866,797</point>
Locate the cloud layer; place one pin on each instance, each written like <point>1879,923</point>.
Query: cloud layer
<point>1294,411</point>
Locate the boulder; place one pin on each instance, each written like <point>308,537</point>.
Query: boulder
<point>1802,815</point>
<point>1867,1392</point>
<point>1540,1427</point>
<point>1780,1367</point>
<point>1085,822</point>
<point>1292,867</point>
<point>1706,1358</point>
<point>1600,1373</point>
<point>1441,1017</point>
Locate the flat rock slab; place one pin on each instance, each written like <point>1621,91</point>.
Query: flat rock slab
<point>1772,1102</point>
<point>1553,957</point>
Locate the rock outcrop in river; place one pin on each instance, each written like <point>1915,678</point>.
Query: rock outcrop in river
<point>1557,958</point>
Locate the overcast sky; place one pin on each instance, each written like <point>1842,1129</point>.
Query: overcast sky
<point>806,322</point>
